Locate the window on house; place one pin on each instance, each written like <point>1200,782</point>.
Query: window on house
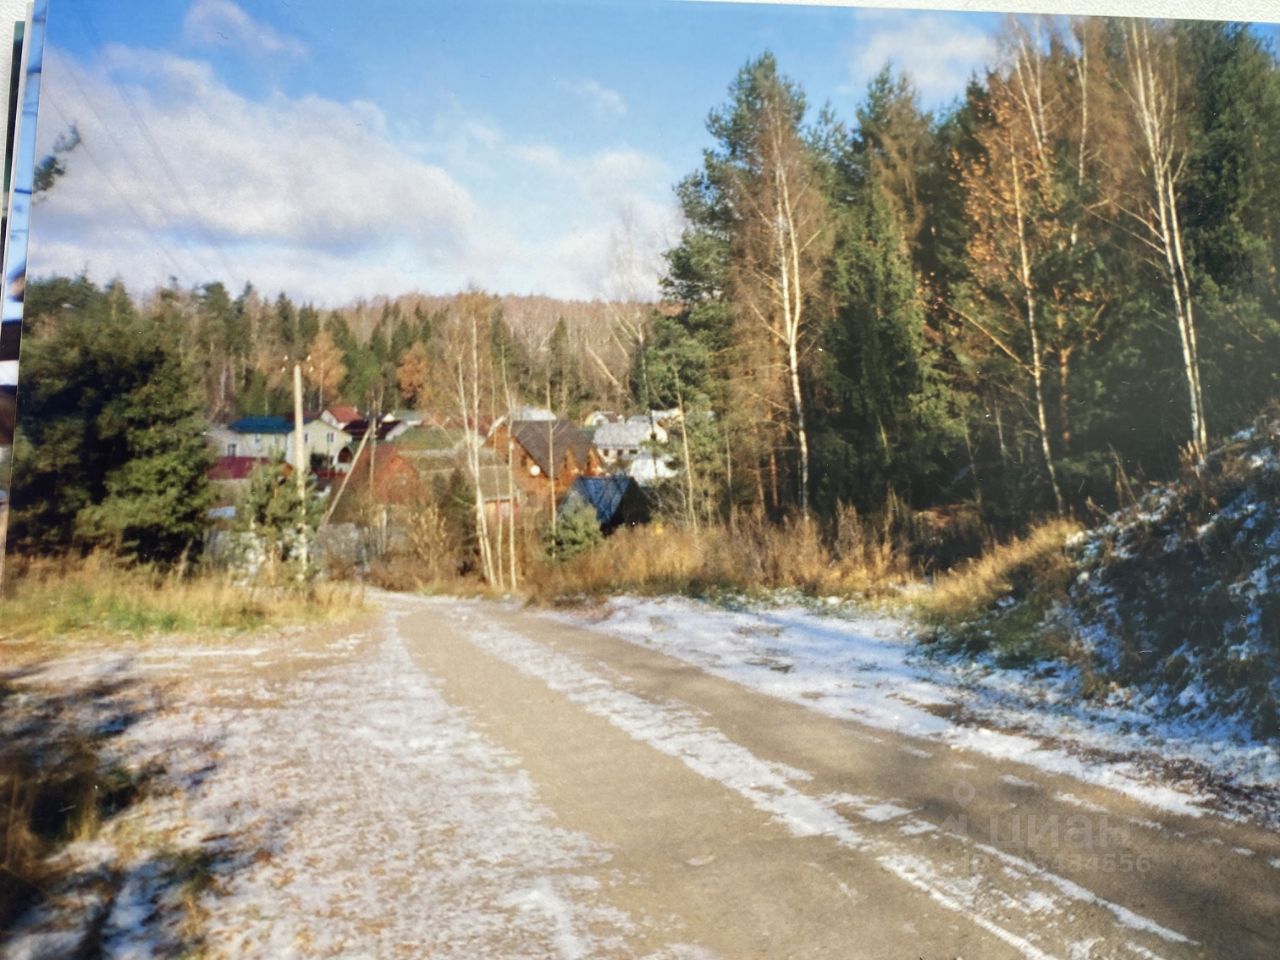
<point>329,437</point>
<point>231,449</point>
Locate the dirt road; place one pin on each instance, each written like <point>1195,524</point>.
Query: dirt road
<point>465,779</point>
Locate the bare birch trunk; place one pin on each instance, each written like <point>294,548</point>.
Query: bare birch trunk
<point>785,242</point>
<point>691,511</point>
<point>793,307</point>
<point>511,480</point>
<point>500,570</point>
<point>470,408</point>
<point>551,466</point>
<point>1037,367</point>
<point>1156,115</point>
<point>1064,399</point>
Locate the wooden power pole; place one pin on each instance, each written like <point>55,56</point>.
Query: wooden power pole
<point>300,462</point>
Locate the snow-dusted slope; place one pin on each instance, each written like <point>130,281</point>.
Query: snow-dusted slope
<point>1178,598</point>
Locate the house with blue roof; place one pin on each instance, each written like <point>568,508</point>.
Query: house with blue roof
<point>617,499</point>
<point>265,437</point>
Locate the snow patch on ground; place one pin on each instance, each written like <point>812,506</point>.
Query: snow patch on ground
<point>350,811</point>
<point>866,668</point>
<point>909,849</point>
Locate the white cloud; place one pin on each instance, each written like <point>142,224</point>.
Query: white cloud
<point>178,174</point>
<point>938,53</point>
<point>223,23</point>
<point>601,100</point>
<point>178,171</point>
<point>613,214</point>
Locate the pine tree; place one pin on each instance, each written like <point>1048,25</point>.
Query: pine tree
<point>577,530</point>
<point>112,453</point>
<point>271,518</point>
<point>881,421</point>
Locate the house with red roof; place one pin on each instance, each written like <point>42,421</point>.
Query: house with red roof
<point>340,416</point>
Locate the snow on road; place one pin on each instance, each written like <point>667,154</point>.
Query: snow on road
<point>1033,910</point>
<point>352,810</point>
<point>866,668</point>
<point>359,814</point>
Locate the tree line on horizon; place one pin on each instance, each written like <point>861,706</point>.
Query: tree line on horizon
<point>1064,283</point>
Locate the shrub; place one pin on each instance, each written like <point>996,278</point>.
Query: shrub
<point>577,531</point>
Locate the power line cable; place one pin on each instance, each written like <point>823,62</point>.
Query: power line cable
<point>107,128</point>
<point>163,248</point>
<point>92,35</point>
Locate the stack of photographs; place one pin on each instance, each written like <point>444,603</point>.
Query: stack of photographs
<point>20,180</point>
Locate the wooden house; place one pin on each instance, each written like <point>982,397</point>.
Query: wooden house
<point>549,455</point>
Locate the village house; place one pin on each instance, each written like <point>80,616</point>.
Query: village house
<point>340,416</point>
<point>625,441</point>
<point>651,467</point>
<point>549,454</point>
<point>533,413</point>
<point>401,422</point>
<point>598,418</point>
<point>403,483</point>
<point>387,477</point>
<point>262,438</point>
<point>229,476</point>
<point>339,445</point>
<point>617,500</point>
<point>499,491</point>
<point>437,447</point>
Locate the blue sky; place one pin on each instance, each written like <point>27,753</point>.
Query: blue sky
<point>525,146</point>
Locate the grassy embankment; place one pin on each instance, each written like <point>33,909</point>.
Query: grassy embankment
<point>751,558</point>
<point>51,599</point>
<point>865,557</point>
<point>1174,602</point>
<point>997,602</point>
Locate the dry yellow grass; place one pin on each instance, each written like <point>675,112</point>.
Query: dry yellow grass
<point>55,598</point>
<point>973,587</point>
<point>753,555</point>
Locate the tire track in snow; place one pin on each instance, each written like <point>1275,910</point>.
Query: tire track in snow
<point>1045,908</point>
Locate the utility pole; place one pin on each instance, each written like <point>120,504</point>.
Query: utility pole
<point>551,465</point>
<point>300,462</point>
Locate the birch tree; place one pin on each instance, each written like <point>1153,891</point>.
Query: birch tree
<point>782,235</point>
<point>471,376</point>
<point>1023,204</point>
<point>1150,81</point>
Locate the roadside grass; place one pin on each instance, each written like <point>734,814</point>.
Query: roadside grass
<point>997,602</point>
<point>749,557</point>
<point>47,599</point>
<point>55,785</point>
<point>62,786</point>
